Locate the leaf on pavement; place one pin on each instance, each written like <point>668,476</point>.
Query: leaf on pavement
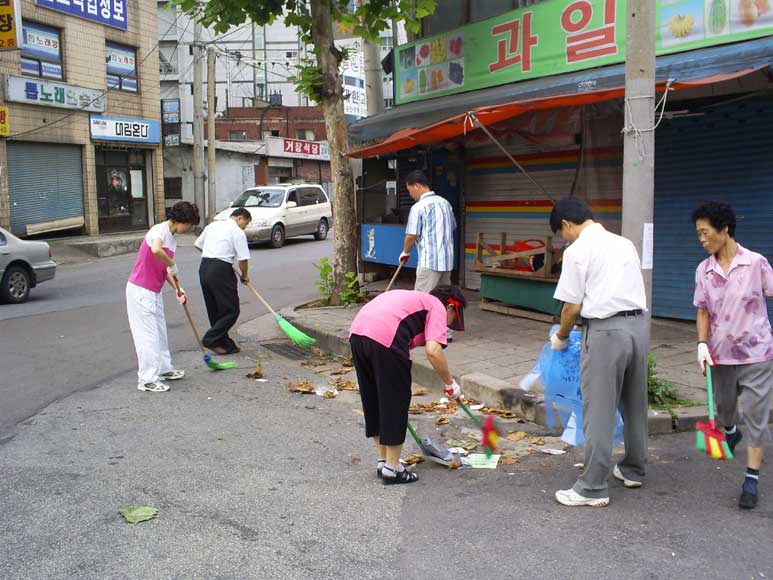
<point>303,387</point>
<point>330,394</point>
<point>454,464</point>
<point>441,421</point>
<point>415,409</point>
<point>137,514</point>
<point>419,392</point>
<point>516,436</point>
<point>258,374</point>
<point>536,440</point>
<point>341,371</point>
<point>508,460</point>
<point>343,385</point>
<point>347,362</point>
<point>413,459</point>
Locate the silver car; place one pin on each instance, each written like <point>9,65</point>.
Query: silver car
<point>23,265</point>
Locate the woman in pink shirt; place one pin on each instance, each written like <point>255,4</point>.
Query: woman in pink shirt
<point>734,334</point>
<point>144,303</point>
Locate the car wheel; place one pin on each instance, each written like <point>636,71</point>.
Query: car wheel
<point>322,230</point>
<point>277,236</point>
<point>16,285</point>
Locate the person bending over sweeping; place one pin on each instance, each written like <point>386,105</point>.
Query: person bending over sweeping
<point>734,334</point>
<point>381,337</point>
<point>221,243</point>
<point>144,303</point>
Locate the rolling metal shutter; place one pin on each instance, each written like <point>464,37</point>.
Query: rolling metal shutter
<point>45,183</point>
<point>725,155</point>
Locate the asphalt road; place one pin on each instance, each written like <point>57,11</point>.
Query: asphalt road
<point>73,333</point>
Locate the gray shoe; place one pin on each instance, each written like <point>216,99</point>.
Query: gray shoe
<point>629,483</point>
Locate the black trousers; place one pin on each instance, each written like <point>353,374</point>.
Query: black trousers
<point>218,284</point>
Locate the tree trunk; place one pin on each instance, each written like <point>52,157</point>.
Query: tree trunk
<point>344,214</point>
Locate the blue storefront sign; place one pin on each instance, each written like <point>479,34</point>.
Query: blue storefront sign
<point>124,129</point>
<point>107,12</point>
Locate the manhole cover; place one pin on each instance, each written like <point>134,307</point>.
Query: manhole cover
<point>287,349</point>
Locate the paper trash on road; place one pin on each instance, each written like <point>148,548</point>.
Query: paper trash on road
<point>547,451</point>
<point>137,514</point>
<point>480,461</point>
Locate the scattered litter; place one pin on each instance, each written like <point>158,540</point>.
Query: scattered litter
<point>310,407</point>
<point>547,451</point>
<point>459,451</point>
<point>258,374</point>
<point>501,412</point>
<point>442,407</point>
<point>536,440</point>
<point>419,392</point>
<point>359,412</point>
<point>509,460</point>
<point>304,387</point>
<point>261,380</point>
<point>480,461</point>
<point>347,362</point>
<point>341,371</point>
<point>515,435</point>
<point>137,514</point>
<point>580,465</point>
<point>468,445</point>
<point>477,407</point>
<point>412,459</point>
<point>330,394</point>
<point>342,385</point>
<point>209,398</point>
<point>441,421</point>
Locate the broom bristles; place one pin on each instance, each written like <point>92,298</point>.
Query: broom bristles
<point>700,441</point>
<point>296,336</point>
<point>216,366</point>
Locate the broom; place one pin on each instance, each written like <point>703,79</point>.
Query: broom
<point>488,427</point>
<point>208,360</point>
<point>296,336</point>
<point>709,439</point>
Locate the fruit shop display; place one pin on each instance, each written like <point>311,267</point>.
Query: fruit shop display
<point>437,50</point>
<point>717,16</point>
<point>456,46</point>
<point>422,56</point>
<point>422,81</point>
<point>456,73</point>
<point>436,79</point>
<point>680,25</point>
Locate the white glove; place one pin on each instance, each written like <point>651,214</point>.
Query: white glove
<point>453,391</point>
<point>172,270</point>
<point>182,297</point>
<point>557,343</point>
<point>704,356</point>
<point>404,257</point>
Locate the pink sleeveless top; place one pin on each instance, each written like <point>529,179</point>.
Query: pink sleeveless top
<point>149,272</point>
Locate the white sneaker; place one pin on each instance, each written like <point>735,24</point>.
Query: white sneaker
<point>573,499</point>
<point>626,482</point>
<point>154,387</point>
<point>172,375</point>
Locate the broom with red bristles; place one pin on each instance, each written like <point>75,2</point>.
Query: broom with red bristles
<point>709,439</point>
<point>489,439</point>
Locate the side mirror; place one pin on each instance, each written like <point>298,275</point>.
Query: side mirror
<point>291,204</point>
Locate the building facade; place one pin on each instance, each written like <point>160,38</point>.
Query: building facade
<point>83,151</point>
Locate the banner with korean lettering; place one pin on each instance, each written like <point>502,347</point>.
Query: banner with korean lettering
<point>560,36</point>
<point>298,149</point>
<point>107,12</point>
<point>10,24</point>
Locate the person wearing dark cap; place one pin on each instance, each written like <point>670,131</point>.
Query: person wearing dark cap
<point>601,281</point>
<point>382,336</point>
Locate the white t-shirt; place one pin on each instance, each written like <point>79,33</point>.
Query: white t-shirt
<point>601,271</point>
<point>162,231</point>
<point>224,240</point>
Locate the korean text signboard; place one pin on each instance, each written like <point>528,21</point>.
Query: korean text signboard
<point>52,94</point>
<point>560,36</point>
<point>297,149</point>
<point>5,126</point>
<point>124,129</point>
<point>107,12</point>
<point>10,24</point>
<point>353,77</point>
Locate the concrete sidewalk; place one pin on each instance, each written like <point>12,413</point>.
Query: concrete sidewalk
<point>496,351</point>
<point>79,249</point>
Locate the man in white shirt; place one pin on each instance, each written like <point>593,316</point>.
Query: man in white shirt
<point>221,243</point>
<point>601,281</point>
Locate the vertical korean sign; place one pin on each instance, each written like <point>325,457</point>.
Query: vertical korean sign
<point>10,25</point>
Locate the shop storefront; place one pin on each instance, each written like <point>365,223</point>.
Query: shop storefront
<point>525,144</point>
<point>123,150</point>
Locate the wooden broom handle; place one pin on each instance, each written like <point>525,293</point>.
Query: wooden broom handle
<point>394,276</point>
<point>251,287</point>
<point>188,314</point>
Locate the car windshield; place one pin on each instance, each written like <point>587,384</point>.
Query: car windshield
<point>260,198</point>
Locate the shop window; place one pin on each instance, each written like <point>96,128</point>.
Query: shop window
<point>304,134</point>
<point>121,190</point>
<point>237,135</point>
<point>167,58</point>
<point>173,187</point>
<point>121,67</point>
<point>451,16</point>
<point>41,51</point>
<point>490,8</point>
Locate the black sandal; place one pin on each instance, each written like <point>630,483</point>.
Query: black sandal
<point>404,476</point>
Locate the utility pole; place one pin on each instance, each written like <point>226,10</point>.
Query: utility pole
<point>374,87</point>
<point>639,134</point>
<point>211,151</point>
<point>198,119</point>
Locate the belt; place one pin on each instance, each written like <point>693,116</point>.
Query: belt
<point>627,313</point>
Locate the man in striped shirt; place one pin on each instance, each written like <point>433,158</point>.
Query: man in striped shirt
<point>430,226</point>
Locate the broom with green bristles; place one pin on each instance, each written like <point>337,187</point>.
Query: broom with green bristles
<point>296,336</point>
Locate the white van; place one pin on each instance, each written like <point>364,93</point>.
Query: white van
<point>283,211</point>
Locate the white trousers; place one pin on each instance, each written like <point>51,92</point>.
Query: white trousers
<point>148,326</point>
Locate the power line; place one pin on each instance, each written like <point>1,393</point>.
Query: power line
<point>102,94</point>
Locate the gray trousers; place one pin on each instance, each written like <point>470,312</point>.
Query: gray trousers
<point>613,375</point>
<point>427,280</point>
<point>747,386</point>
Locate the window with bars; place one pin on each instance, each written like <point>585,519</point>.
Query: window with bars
<point>173,187</point>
